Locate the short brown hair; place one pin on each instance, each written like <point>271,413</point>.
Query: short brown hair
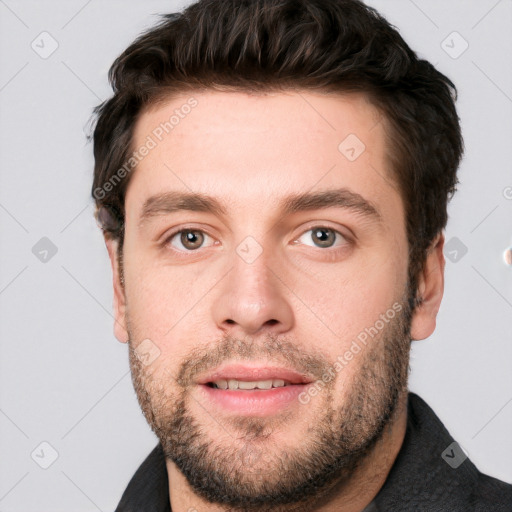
<point>262,45</point>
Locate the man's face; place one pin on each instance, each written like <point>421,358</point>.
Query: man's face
<point>262,292</point>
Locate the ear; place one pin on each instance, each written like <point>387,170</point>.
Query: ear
<point>120,331</point>
<point>430,291</point>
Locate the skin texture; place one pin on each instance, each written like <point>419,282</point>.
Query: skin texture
<point>302,302</point>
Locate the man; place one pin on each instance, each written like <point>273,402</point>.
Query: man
<point>272,178</point>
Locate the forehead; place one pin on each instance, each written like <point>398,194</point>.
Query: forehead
<point>253,149</point>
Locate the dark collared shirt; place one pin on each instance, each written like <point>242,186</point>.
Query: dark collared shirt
<point>430,474</point>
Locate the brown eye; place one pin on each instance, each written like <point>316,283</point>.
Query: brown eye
<point>191,239</point>
<point>187,240</point>
<point>322,237</point>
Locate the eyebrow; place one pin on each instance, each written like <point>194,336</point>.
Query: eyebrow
<point>172,201</point>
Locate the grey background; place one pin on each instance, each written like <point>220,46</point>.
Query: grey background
<point>64,379</point>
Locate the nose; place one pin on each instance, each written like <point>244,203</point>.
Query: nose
<point>253,298</point>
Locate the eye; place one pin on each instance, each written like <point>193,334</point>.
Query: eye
<point>322,237</point>
<point>189,239</point>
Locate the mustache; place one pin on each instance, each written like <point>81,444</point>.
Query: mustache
<point>271,349</point>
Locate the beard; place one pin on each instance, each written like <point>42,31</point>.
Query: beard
<point>248,471</point>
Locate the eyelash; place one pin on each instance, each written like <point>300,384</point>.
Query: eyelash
<point>186,253</point>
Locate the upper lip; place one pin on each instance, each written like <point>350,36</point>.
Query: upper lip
<point>247,372</point>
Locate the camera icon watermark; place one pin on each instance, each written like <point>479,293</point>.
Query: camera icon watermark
<point>255,462</point>
<point>352,147</point>
<point>147,352</point>
<point>454,455</point>
<point>454,45</point>
<point>249,249</point>
<point>44,250</point>
<point>455,250</point>
<point>44,455</point>
<point>44,45</point>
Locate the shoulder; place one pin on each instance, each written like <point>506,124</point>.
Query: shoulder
<point>490,494</point>
<point>148,489</point>
<point>431,472</point>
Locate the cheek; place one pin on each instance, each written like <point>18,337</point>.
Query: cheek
<point>166,304</point>
<point>339,301</point>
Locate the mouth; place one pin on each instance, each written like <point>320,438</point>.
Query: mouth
<point>264,377</point>
<point>252,390</point>
<point>248,385</point>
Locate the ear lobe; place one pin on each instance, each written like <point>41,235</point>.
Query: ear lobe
<point>430,291</point>
<point>119,301</point>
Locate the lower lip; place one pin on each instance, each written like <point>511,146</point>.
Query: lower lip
<point>256,402</point>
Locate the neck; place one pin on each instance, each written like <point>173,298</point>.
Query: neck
<point>350,496</point>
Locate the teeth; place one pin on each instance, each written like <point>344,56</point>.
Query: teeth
<point>222,384</point>
<point>244,385</point>
<point>241,384</point>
